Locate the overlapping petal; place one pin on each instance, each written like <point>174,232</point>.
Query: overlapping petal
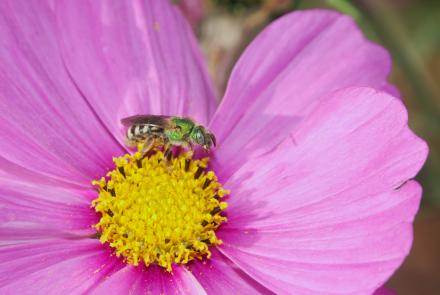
<point>134,57</point>
<point>283,74</point>
<point>330,208</point>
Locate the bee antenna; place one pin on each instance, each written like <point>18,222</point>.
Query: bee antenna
<point>213,139</point>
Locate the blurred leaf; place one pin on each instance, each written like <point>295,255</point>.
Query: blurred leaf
<point>346,7</point>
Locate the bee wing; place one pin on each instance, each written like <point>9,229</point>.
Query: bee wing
<point>156,120</point>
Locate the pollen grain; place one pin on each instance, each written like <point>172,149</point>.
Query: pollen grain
<point>159,211</point>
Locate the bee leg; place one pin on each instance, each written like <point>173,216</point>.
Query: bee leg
<point>168,151</point>
<point>148,145</point>
<point>190,149</point>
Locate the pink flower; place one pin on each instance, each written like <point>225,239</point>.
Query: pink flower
<point>316,154</point>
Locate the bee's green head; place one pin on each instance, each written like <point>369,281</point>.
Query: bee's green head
<point>203,137</point>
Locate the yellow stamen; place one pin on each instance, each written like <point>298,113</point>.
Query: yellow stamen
<point>160,212</point>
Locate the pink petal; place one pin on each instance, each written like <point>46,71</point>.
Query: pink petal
<point>330,208</point>
<point>355,137</point>
<point>351,256</point>
<point>54,267</point>
<point>283,75</point>
<point>134,57</point>
<point>10,171</point>
<point>47,124</point>
<point>391,89</point>
<point>218,275</point>
<point>30,212</point>
<point>153,280</point>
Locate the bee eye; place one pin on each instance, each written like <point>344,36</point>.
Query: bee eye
<point>199,138</point>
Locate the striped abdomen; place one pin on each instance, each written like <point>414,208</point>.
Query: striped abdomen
<point>140,132</point>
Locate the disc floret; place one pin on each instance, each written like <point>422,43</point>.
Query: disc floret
<point>160,211</point>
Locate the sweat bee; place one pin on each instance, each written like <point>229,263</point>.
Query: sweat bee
<point>154,130</point>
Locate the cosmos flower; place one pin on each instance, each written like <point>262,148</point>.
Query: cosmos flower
<point>313,147</point>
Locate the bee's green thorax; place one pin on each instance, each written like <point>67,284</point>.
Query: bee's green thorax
<point>185,126</point>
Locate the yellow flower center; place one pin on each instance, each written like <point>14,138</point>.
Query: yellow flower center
<point>160,211</point>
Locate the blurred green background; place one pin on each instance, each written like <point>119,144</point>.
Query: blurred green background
<point>410,30</point>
